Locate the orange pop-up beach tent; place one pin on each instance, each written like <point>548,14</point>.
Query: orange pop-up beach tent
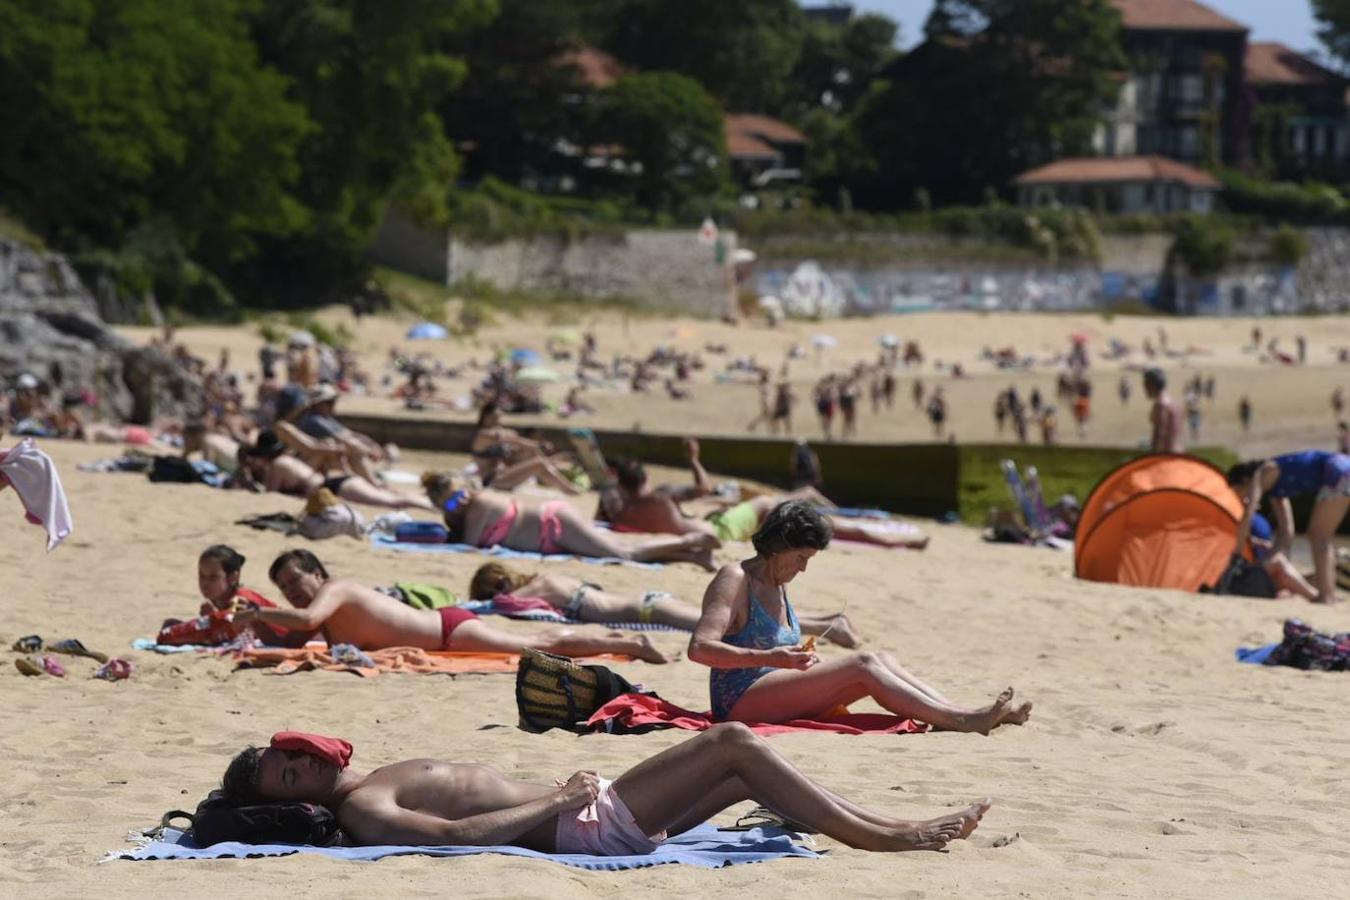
<point>1164,520</point>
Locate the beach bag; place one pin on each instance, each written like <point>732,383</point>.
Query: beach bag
<point>1245,579</point>
<point>421,533</point>
<point>174,468</point>
<point>217,820</point>
<point>556,692</point>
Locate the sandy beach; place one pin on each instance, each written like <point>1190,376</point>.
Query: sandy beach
<point>1154,764</point>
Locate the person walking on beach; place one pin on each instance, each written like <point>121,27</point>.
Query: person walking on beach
<point>917,393</point>
<point>1164,416</point>
<point>782,409</point>
<point>1000,411</point>
<point>824,399</point>
<point>1123,390</point>
<point>1193,415</point>
<point>937,411</point>
<point>1245,412</point>
<point>848,409</point>
<point>1338,402</point>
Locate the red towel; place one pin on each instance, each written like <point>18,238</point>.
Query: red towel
<point>640,709</point>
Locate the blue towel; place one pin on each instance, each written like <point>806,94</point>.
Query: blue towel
<point>148,644</point>
<point>704,846</point>
<point>387,543</point>
<point>1256,655</point>
<point>855,512</point>
<point>489,608</point>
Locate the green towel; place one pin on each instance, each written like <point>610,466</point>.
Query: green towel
<point>426,596</point>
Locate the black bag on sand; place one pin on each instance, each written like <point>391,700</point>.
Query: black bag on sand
<point>175,469</point>
<point>557,692</point>
<point>1245,579</point>
<point>217,820</point>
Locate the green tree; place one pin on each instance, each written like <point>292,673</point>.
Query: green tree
<point>518,100</point>
<point>1334,18</point>
<point>839,62</point>
<point>669,126</point>
<point>123,113</point>
<point>743,51</point>
<point>998,87</point>
<point>371,74</point>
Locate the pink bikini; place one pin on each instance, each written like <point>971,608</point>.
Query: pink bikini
<point>550,527</point>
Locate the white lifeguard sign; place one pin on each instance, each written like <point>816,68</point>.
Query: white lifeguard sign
<point>707,232</point>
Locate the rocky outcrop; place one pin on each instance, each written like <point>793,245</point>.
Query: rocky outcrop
<point>50,326</point>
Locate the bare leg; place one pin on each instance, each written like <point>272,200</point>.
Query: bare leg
<point>838,625</point>
<point>1326,518</point>
<point>791,693</point>
<point>477,636</point>
<point>729,763</point>
<point>516,474</point>
<point>850,530</point>
<point>581,537</point>
<point>811,495</point>
<point>358,490</point>
<point>1288,578</point>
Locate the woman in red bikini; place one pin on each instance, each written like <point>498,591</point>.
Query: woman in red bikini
<point>488,518</point>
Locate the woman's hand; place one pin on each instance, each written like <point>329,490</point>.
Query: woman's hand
<point>791,658</point>
<point>580,790</point>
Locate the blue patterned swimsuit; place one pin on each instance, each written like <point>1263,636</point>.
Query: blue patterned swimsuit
<point>761,632</point>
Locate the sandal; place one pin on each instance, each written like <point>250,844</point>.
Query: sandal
<point>40,665</point>
<point>31,643</point>
<point>763,817</point>
<point>75,648</point>
<point>114,669</point>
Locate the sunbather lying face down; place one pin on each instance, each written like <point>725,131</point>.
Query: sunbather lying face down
<point>427,802</point>
<point>349,613</point>
<point>750,636</point>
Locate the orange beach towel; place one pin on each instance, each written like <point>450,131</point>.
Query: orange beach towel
<point>284,661</point>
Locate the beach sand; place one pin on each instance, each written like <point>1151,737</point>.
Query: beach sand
<point>1154,765</point>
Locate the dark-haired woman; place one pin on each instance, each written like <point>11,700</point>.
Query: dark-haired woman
<point>1324,475</point>
<point>507,460</point>
<point>750,636</point>
<point>220,569</point>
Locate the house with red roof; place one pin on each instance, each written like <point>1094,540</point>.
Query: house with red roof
<point>1122,184</point>
<point>1300,126</point>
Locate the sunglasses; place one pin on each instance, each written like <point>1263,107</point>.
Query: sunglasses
<point>455,501</point>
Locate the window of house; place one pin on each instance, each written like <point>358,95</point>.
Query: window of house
<point>1189,142</point>
<point>1192,89</point>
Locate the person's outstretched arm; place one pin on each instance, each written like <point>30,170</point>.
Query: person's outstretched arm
<point>311,618</point>
<point>382,821</point>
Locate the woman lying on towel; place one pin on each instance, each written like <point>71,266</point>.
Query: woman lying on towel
<point>1317,472</point>
<point>488,518</point>
<point>345,612</point>
<point>267,464</point>
<point>761,670</point>
<point>586,601</point>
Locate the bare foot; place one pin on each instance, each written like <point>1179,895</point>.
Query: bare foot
<point>700,550</point>
<point>644,650</point>
<point>841,632</point>
<point>1002,712</point>
<point>935,834</point>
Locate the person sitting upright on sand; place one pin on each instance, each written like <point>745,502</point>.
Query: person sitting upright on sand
<point>751,639</point>
<point>349,613</point>
<point>427,802</point>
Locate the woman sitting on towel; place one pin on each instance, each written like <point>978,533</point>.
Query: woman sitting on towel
<point>761,672</point>
<point>488,518</point>
<point>507,460</point>
<point>586,601</point>
<point>1327,476</point>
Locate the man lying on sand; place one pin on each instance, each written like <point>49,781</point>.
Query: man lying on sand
<point>268,464</point>
<point>349,613</point>
<point>427,802</point>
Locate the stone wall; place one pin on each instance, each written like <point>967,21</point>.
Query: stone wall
<point>50,327</point>
<point>667,269</point>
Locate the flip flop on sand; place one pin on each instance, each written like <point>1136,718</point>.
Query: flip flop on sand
<point>114,669</point>
<point>40,665</point>
<point>30,643</point>
<point>73,647</point>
